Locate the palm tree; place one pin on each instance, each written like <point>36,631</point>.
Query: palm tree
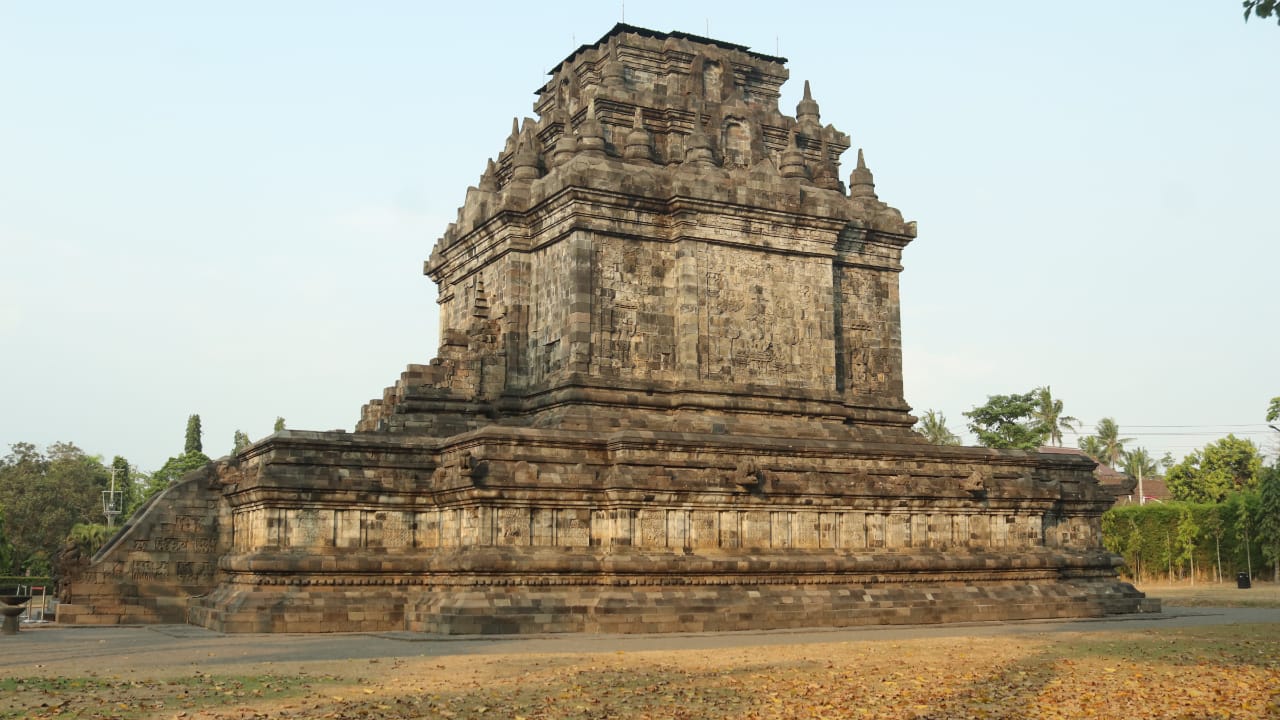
<point>1112,445</point>
<point>934,428</point>
<point>1048,413</point>
<point>1091,447</point>
<point>1139,463</point>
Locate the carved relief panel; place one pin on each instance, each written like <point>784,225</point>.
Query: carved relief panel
<point>762,319</point>
<point>869,342</point>
<point>634,324</point>
<point>429,529</point>
<point>551,290</point>
<point>310,528</point>
<point>391,530</point>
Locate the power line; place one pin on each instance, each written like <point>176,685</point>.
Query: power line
<point>1181,434</point>
<point>1262,426</point>
<point>1211,425</point>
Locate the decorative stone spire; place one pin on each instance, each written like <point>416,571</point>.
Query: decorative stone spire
<point>489,180</point>
<point>861,183</point>
<point>825,175</point>
<point>591,134</point>
<point>566,147</point>
<point>612,74</point>
<point>697,148</point>
<point>792,162</point>
<point>639,143</point>
<point>525,162</point>
<point>513,137</point>
<point>807,109</point>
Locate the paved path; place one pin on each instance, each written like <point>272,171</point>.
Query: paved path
<point>178,648</point>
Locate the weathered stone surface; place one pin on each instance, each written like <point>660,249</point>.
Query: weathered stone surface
<point>668,397</point>
<point>166,554</point>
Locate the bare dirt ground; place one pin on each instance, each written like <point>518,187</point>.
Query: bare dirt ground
<point>1263,594</point>
<point>1193,663</point>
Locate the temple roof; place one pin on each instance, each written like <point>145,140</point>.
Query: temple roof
<point>621,28</point>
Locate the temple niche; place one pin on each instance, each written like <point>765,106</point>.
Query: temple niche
<point>668,397</point>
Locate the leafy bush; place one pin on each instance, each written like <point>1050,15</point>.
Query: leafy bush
<point>1168,540</point>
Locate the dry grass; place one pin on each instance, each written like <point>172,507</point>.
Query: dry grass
<point>1217,671</point>
<point>1262,594</point>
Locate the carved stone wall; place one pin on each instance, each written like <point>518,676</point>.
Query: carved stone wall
<point>550,309</point>
<point>663,226</point>
<point>763,319</point>
<point>166,555</point>
<point>680,528</point>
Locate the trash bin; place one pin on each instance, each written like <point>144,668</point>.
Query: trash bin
<point>1242,581</point>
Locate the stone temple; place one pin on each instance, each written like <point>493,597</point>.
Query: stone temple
<point>668,397</point>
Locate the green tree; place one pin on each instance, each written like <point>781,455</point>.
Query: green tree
<point>239,442</point>
<point>44,495</point>
<point>279,424</point>
<point>1146,535</point>
<point>1273,416</point>
<point>194,443</point>
<point>1187,533</point>
<point>1008,421</point>
<point>1108,433</point>
<point>173,470</point>
<point>1269,517</point>
<point>1048,412</point>
<point>1091,446</point>
<point>1262,9</point>
<point>1223,467</point>
<point>124,481</point>
<point>934,428</point>
<point>8,554</point>
<point>89,537</point>
<point>175,467</point>
<point>1138,463</point>
<point>1215,526</point>
<point>120,466</point>
<point>1245,508</point>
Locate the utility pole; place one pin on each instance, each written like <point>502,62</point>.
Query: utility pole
<point>1142,499</point>
<point>111,501</point>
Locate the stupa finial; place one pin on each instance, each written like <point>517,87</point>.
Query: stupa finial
<point>792,164</point>
<point>590,133</point>
<point>525,162</point>
<point>861,182</point>
<point>807,108</point>
<point>639,144</point>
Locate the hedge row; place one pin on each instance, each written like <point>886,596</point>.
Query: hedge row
<point>9,581</point>
<point>1177,540</point>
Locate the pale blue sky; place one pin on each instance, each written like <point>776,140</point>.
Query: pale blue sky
<point>225,209</point>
